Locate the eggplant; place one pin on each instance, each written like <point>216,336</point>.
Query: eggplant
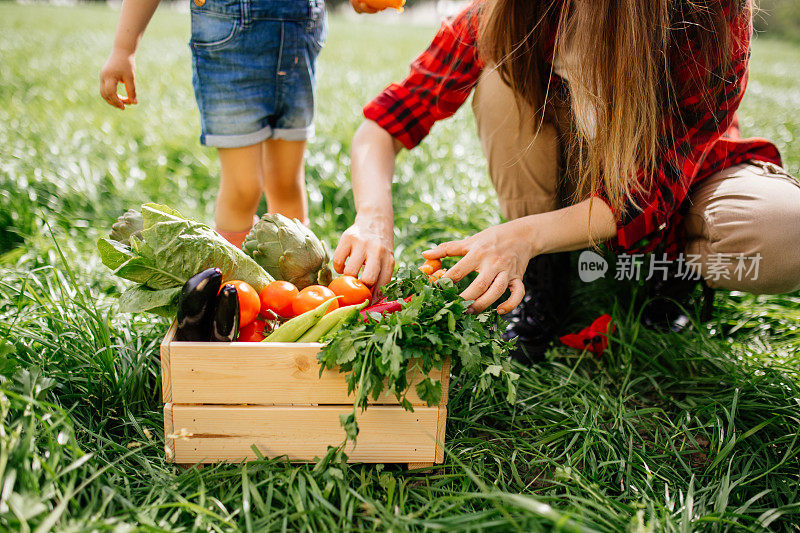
<point>226,317</point>
<point>197,303</point>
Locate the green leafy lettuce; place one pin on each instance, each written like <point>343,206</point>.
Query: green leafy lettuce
<point>169,250</point>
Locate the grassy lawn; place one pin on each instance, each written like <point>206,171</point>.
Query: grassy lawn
<point>699,431</point>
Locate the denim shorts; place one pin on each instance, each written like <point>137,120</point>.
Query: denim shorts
<point>253,65</point>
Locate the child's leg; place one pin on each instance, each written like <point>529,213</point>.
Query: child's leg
<point>284,178</point>
<point>240,189</point>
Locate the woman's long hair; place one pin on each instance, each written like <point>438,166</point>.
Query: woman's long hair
<point>624,50</point>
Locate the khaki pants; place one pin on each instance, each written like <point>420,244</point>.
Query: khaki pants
<point>750,210</point>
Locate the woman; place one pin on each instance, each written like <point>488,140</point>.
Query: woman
<point>603,122</point>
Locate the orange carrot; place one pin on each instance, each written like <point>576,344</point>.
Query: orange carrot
<point>430,266</point>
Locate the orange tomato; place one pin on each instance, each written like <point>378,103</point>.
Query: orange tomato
<point>351,290</point>
<point>278,297</point>
<point>383,4</point>
<point>312,297</point>
<point>249,304</point>
<point>430,266</point>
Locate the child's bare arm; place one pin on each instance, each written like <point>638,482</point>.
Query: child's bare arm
<point>121,64</point>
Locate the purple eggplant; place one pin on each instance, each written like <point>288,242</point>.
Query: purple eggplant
<point>197,304</point>
<point>226,317</point>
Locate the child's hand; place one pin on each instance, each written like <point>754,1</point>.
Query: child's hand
<point>119,68</point>
<point>361,7</point>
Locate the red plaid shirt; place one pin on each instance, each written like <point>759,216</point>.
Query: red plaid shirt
<point>702,142</point>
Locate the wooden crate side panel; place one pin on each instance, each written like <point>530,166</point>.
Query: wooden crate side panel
<point>388,434</point>
<point>274,374</point>
<point>166,374</point>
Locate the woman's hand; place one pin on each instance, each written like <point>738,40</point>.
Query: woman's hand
<point>362,7</point>
<point>369,242</point>
<point>119,68</point>
<point>499,254</point>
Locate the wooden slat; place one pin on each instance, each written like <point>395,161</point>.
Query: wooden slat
<point>263,374</point>
<point>226,433</point>
<point>441,426</point>
<point>169,439</point>
<point>166,382</point>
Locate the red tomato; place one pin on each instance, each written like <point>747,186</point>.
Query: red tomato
<point>253,332</point>
<point>312,297</point>
<point>249,304</point>
<point>278,297</point>
<point>351,290</point>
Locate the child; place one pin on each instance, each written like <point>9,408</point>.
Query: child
<point>253,64</point>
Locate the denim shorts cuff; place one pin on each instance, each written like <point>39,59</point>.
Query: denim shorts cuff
<point>237,141</point>
<point>294,134</point>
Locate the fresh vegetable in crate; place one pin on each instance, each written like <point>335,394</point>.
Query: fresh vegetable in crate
<point>277,298</point>
<point>197,306</point>
<point>289,251</point>
<point>292,330</point>
<point>350,289</point>
<point>168,250</point>
<point>430,326</point>
<point>227,315</point>
<point>129,224</point>
<point>311,297</point>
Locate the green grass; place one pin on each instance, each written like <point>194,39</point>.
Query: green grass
<point>699,431</point>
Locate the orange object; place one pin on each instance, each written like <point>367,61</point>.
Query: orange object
<point>383,4</point>
<point>351,290</point>
<point>312,297</point>
<point>437,275</point>
<point>430,266</point>
<point>278,297</point>
<point>249,304</point>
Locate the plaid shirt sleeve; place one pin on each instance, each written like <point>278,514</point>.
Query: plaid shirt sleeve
<point>701,120</point>
<point>440,80</point>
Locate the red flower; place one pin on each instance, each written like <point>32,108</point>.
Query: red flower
<point>593,338</point>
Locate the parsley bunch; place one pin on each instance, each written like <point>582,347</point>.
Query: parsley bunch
<point>377,354</point>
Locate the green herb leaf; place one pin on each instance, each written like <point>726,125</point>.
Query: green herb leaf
<point>431,327</point>
<point>430,391</point>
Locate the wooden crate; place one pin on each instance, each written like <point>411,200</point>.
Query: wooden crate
<point>223,399</point>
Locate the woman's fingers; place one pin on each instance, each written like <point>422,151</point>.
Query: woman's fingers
<point>467,264</point>
<point>387,269</point>
<point>447,249</point>
<point>479,285</point>
<point>517,293</point>
<point>341,253</point>
<point>494,291</point>
<point>356,260</point>
<point>372,267</point>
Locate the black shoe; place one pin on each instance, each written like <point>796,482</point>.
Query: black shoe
<point>670,299</point>
<point>535,322</point>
